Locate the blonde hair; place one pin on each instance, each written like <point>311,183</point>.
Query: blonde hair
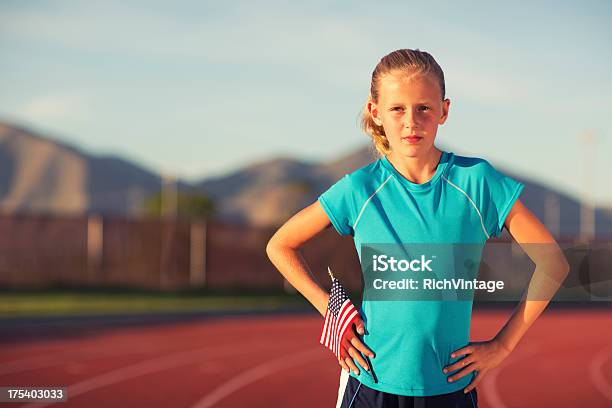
<point>406,61</point>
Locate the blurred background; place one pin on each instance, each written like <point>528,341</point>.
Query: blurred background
<point>149,150</point>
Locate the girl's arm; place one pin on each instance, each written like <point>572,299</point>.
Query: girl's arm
<point>283,251</point>
<point>550,271</point>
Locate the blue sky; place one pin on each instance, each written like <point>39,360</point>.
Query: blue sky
<point>198,88</point>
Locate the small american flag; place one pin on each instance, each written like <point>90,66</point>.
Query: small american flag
<point>339,317</point>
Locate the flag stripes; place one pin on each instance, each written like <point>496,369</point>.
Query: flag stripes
<point>339,317</point>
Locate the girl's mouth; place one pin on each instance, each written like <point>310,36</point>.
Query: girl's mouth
<point>412,139</point>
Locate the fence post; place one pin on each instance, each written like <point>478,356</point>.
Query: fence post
<point>197,253</point>
<point>95,241</point>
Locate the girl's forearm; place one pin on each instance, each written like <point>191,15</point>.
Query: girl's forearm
<point>544,283</point>
<point>522,318</point>
<point>292,265</point>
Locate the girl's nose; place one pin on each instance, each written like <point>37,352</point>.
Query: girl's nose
<point>410,120</point>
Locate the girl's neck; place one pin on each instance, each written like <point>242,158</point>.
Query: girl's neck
<point>417,169</point>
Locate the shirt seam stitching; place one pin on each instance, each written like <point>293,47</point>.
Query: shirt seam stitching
<point>484,229</point>
<point>368,200</point>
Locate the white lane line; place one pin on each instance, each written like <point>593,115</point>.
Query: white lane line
<point>148,367</point>
<point>489,383</point>
<point>258,372</point>
<point>596,372</point>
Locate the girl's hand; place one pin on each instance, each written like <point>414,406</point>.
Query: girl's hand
<point>351,347</point>
<point>480,357</point>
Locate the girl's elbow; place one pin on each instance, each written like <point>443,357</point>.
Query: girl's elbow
<point>271,247</point>
<point>559,265</point>
<point>565,266</point>
<point>562,263</point>
<point>274,246</point>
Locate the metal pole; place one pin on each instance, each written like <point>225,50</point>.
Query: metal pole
<point>587,203</point>
<point>552,213</point>
<point>168,210</point>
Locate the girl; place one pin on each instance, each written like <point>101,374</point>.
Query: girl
<point>420,351</point>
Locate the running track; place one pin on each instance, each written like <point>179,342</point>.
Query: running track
<point>565,360</point>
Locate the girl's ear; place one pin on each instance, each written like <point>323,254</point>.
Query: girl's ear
<point>373,109</point>
<point>445,108</point>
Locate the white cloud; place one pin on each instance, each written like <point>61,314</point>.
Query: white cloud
<point>335,47</point>
<point>53,108</point>
<point>250,36</point>
<point>243,36</point>
<point>481,87</point>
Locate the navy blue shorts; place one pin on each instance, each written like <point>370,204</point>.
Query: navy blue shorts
<point>357,395</point>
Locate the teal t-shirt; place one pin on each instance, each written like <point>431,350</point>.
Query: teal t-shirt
<point>466,201</point>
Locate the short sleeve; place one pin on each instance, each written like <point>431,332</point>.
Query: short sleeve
<point>503,191</point>
<point>337,202</point>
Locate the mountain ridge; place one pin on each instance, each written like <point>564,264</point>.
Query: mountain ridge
<point>41,175</point>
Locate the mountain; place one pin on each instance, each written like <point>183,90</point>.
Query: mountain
<point>38,174</point>
<point>270,192</point>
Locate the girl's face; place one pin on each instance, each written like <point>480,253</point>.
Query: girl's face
<point>410,108</point>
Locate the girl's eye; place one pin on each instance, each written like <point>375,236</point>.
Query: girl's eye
<point>422,108</point>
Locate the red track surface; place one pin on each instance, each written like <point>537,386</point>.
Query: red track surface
<point>565,360</point>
